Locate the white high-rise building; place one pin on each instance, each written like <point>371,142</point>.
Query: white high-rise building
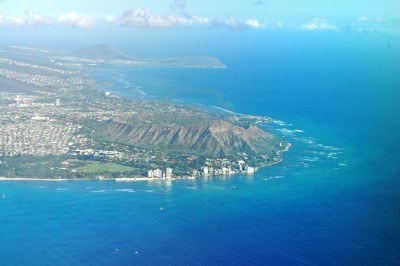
<point>168,172</point>
<point>150,174</point>
<point>205,170</point>
<point>225,170</point>
<point>107,93</point>
<point>249,169</point>
<point>58,102</point>
<point>157,173</point>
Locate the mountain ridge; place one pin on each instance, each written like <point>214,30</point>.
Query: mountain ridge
<point>213,137</point>
<point>105,53</point>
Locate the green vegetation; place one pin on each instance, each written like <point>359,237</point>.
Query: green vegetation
<point>94,168</point>
<point>33,166</point>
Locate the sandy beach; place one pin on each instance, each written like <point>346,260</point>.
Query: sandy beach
<point>122,179</point>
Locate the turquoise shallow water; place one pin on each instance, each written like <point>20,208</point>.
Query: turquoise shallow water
<point>333,200</point>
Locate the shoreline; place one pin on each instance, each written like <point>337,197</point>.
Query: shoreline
<point>280,157</point>
<point>120,179</point>
<point>2,178</point>
<point>138,179</point>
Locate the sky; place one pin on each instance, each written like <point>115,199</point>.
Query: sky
<point>54,22</point>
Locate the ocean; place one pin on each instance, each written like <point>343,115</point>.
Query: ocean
<point>333,200</point>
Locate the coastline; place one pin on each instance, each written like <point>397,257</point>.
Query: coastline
<point>120,179</point>
<point>280,157</point>
<point>137,179</point>
<point>285,150</point>
<point>2,178</point>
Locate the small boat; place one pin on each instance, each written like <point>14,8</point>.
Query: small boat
<point>161,208</point>
<point>2,196</point>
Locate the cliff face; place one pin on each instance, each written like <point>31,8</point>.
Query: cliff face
<point>215,136</point>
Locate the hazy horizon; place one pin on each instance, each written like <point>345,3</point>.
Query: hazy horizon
<point>184,27</point>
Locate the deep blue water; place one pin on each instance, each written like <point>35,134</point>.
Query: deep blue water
<point>334,200</point>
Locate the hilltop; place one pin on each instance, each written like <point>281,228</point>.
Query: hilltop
<point>103,52</point>
<point>209,137</point>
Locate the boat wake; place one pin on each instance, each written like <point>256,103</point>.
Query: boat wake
<point>128,190</point>
<point>98,191</point>
<point>274,177</point>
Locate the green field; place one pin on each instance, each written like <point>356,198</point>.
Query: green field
<point>101,168</point>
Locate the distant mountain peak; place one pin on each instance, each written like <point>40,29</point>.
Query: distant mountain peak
<point>102,51</point>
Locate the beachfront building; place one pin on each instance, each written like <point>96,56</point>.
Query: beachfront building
<point>249,169</point>
<point>241,164</point>
<point>157,173</point>
<point>205,170</point>
<point>168,172</point>
<point>150,174</point>
<point>210,170</point>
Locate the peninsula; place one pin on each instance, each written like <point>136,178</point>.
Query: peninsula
<point>56,124</point>
<point>105,54</point>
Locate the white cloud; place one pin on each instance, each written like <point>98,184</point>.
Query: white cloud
<point>319,24</point>
<point>135,18</point>
<point>74,19</point>
<point>254,23</point>
<point>36,19</point>
<point>363,19</point>
<point>110,18</point>
<point>364,24</point>
<point>32,18</point>
<point>8,20</point>
<point>142,18</point>
<point>365,30</point>
<point>231,22</point>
